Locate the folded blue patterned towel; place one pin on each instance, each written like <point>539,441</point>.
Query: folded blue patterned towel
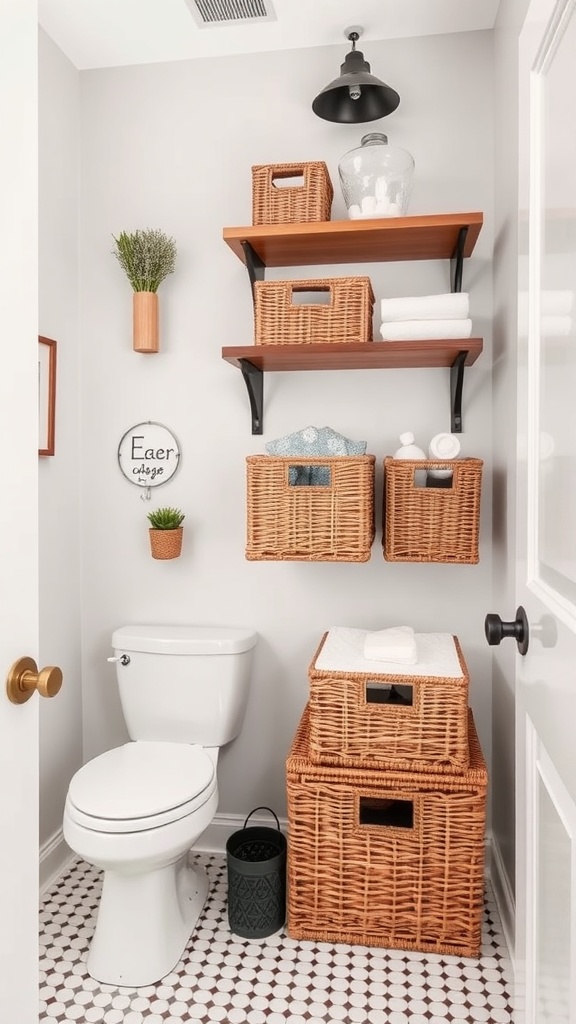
<point>314,441</point>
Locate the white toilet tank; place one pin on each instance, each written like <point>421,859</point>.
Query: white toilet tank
<point>184,684</point>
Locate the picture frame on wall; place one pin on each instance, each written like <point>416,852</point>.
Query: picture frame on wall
<point>46,395</point>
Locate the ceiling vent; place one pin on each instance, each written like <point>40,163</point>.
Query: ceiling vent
<point>230,12</point>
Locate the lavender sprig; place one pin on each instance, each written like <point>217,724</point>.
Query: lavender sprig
<point>146,257</point>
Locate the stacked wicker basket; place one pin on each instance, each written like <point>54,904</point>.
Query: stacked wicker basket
<point>386,792</point>
<point>345,307</point>
<point>333,522</point>
<point>336,522</point>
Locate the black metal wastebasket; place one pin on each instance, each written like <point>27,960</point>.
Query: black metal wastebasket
<point>256,860</point>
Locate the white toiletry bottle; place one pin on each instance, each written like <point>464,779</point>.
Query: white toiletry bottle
<point>408,449</point>
<point>443,446</point>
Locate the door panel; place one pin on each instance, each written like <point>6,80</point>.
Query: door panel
<point>18,508</point>
<point>552,870</point>
<point>546,566</point>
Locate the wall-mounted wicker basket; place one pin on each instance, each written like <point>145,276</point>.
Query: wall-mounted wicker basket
<point>430,523</point>
<point>421,725</point>
<point>310,200</point>
<point>332,522</point>
<point>166,543</point>
<point>382,858</point>
<point>347,317</point>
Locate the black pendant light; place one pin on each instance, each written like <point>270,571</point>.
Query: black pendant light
<point>357,95</point>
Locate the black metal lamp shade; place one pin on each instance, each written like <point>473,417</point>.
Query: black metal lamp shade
<point>356,96</point>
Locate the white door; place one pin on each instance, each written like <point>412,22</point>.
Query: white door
<point>546,581</point>
<point>18,508</point>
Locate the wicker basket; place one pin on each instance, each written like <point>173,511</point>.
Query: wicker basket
<point>166,543</point>
<point>291,204</point>
<point>431,524</point>
<point>333,522</point>
<point>421,726</point>
<point>390,859</point>
<point>279,320</point>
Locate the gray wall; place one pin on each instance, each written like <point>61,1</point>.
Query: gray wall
<point>171,146</point>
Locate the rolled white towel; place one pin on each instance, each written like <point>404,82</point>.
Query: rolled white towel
<point>450,306</point>
<point>396,644</point>
<point>425,330</point>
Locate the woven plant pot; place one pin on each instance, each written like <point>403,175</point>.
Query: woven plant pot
<point>145,331</point>
<point>166,543</point>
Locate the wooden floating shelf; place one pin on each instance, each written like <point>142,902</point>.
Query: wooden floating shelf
<point>442,236</point>
<point>255,360</point>
<point>386,239</point>
<point>374,355</point>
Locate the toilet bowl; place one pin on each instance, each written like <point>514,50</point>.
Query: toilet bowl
<point>136,810</point>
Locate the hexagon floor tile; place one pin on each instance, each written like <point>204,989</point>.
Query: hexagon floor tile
<point>277,980</point>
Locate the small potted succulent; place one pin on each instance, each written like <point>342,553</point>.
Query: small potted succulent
<point>166,532</point>
<point>146,257</point>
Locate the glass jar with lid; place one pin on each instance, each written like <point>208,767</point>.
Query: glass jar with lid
<point>376,178</point>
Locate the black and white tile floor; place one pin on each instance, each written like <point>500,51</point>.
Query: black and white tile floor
<point>272,981</point>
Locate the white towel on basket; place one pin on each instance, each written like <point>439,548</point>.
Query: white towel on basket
<point>395,644</point>
<point>450,306</point>
<point>425,330</point>
<point>343,651</point>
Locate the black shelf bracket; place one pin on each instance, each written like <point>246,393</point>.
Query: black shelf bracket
<point>254,381</point>
<point>456,386</point>
<point>457,260</point>
<point>254,265</point>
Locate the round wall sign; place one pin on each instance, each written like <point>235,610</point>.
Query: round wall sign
<point>148,454</point>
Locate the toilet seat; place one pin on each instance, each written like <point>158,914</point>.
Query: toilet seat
<point>141,785</point>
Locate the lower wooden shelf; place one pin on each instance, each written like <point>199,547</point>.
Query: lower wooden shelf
<point>372,355</point>
<point>254,360</point>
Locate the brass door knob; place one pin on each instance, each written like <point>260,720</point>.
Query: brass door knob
<point>24,677</point>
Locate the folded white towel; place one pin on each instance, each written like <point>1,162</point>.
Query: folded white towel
<point>425,330</point>
<point>450,306</point>
<point>343,651</point>
<point>395,644</point>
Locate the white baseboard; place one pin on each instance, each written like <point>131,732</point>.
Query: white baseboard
<point>214,839</point>
<point>55,855</point>
<point>503,893</point>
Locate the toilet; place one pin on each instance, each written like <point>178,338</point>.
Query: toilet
<point>135,811</point>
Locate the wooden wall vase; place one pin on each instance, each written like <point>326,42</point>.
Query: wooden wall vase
<point>145,337</point>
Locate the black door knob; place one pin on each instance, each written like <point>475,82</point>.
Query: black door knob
<point>496,630</point>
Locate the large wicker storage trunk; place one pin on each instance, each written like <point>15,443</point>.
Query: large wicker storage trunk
<point>280,320</point>
<point>390,859</point>
<point>407,721</point>
<point>308,200</point>
<point>331,522</point>
<point>431,524</point>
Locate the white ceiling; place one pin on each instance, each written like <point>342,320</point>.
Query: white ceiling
<point>106,33</point>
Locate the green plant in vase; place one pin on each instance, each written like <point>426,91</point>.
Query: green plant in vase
<point>166,532</point>
<point>146,257</point>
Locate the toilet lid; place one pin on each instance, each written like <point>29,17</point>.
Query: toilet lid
<point>141,780</point>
